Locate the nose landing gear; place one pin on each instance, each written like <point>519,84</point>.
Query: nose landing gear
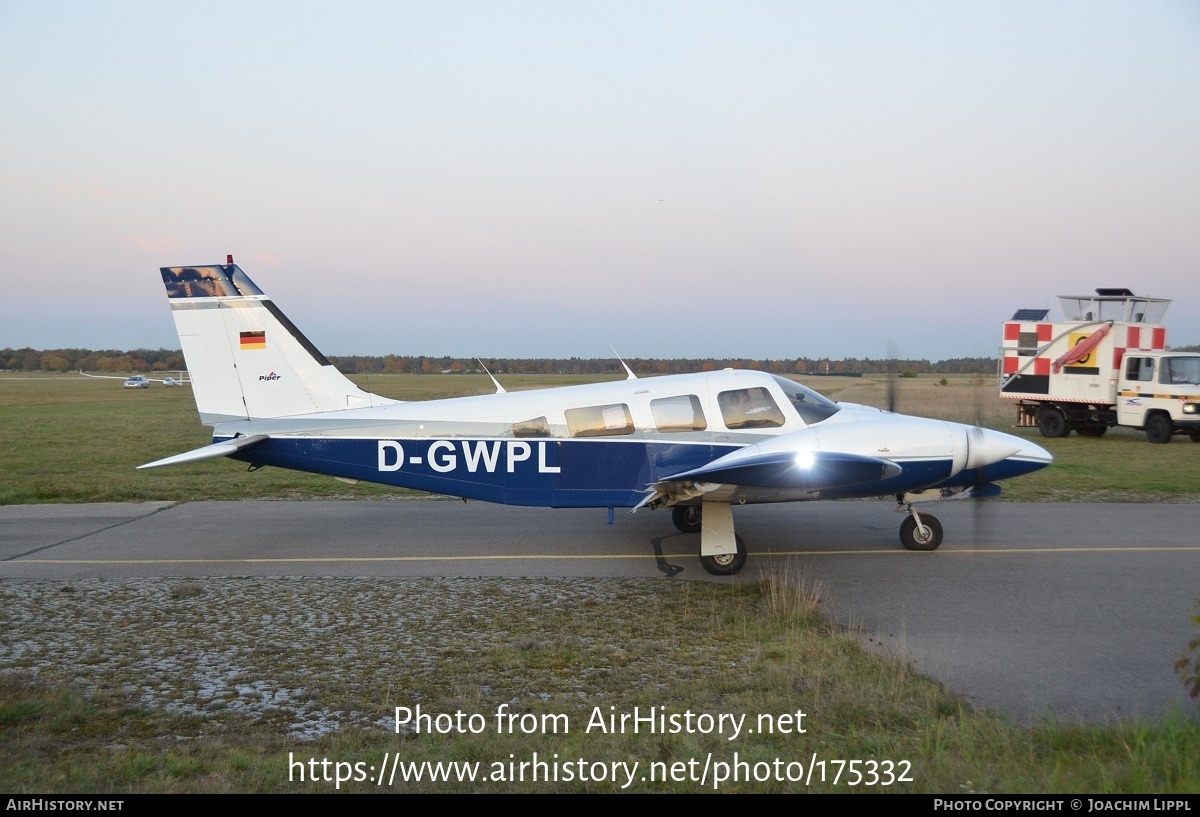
<point>920,531</point>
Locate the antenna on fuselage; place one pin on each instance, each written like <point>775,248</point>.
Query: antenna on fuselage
<point>499,388</point>
<point>628,370</point>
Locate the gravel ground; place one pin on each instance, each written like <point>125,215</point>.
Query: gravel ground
<point>315,655</point>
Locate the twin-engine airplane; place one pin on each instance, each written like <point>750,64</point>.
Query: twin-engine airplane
<point>696,443</point>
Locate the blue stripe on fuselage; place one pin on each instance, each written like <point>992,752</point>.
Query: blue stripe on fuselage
<point>538,472</point>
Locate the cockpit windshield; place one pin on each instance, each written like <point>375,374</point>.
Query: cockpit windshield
<point>1180,370</point>
<point>812,407</point>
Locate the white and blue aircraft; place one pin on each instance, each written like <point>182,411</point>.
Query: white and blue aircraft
<point>696,443</point>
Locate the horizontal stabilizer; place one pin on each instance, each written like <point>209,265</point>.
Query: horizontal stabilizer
<point>805,470</point>
<point>208,452</point>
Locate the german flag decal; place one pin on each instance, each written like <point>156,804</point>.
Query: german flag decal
<point>253,340</point>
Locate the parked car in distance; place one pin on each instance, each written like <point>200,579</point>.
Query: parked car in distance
<point>137,382</point>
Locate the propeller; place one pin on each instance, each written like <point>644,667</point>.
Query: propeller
<point>890,383</point>
<point>983,521</point>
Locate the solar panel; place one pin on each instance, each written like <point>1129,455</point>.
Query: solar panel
<point>1029,315</point>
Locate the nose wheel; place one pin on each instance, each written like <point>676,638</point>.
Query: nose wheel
<point>920,531</point>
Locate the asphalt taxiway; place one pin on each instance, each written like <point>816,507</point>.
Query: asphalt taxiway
<point>1072,611</point>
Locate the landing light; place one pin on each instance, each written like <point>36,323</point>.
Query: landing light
<point>805,459</point>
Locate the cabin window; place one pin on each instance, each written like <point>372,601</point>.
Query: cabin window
<point>537,427</point>
<point>749,408</point>
<point>600,421</point>
<point>675,414</point>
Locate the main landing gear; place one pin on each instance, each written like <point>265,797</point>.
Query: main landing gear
<point>686,518</point>
<point>726,564</point>
<point>722,552</point>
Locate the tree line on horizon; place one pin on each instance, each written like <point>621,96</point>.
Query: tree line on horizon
<point>119,361</point>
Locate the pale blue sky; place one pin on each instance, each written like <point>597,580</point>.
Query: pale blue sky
<point>759,179</point>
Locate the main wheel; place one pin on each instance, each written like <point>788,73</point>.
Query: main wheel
<point>1052,422</point>
<point>927,537</point>
<point>1195,436</point>
<point>687,518</point>
<point>726,564</point>
<point>1091,431</point>
<point>1159,429</point>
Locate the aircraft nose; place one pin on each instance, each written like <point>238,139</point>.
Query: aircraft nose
<point>997,455</point>
<point>998,452</point>
<point>986,447</point>
<point>1033,452</point>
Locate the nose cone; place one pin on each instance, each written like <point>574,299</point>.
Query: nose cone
<point>1000,456</point>
<point>1034,453</point>
<point>986,447</point>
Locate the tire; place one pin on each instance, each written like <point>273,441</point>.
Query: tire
<point>933,533</point>
<point>1052,422</point>
<point>1091,431</point>
<point>1159,429</point>
<point>726,564</point>
<point>687,518</point>
<point>1194,436</point>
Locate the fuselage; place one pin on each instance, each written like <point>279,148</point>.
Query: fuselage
<point>607,444</point>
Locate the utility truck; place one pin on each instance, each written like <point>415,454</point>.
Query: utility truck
<point>1104,364</point>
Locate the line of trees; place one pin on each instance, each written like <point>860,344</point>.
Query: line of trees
<point>91,360</point>
<point>165,360</point>
<point>415,364</point>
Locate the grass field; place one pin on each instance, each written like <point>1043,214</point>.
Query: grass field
<point>67,438</point>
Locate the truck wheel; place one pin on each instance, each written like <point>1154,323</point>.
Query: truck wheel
<point>1052,422</point>
<point>1091,431</point>
<point>1159,429</point>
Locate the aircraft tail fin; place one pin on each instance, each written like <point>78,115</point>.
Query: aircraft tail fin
<point>245,359</point>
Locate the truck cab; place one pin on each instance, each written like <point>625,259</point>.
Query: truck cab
<point>1160,393</point>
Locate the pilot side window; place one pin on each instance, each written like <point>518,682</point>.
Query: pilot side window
<point>674,414</point>
<point>749,408</point>
<point>600,421</point>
